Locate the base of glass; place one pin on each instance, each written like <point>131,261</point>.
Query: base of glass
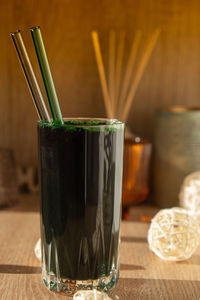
<point>70,287</point>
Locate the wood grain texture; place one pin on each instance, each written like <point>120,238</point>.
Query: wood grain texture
<point>143,276</point>
<point>171,77</point>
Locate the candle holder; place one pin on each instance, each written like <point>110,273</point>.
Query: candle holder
<point>176,151</point>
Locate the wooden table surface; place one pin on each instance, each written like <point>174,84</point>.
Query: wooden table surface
<point>142,276</point>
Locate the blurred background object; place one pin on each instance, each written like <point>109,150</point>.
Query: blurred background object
<point>27,180</point>
<point>119,86</point>
<point>189,195</point>
<point>137,157</point>
<point>119,89</point>
<point>176,151</point>
<point>8,178</point>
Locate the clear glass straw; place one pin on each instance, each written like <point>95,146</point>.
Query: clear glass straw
<point>46,74</point>
<point>30,76</point>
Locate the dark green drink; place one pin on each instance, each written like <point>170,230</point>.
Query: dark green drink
<point>80,179</point>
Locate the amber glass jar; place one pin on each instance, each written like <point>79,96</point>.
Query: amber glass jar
<point>137,154</point>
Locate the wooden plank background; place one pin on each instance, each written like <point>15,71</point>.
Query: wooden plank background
<point>171,78</point>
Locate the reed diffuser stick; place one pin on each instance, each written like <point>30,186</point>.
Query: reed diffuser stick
<point>139,72</point>
<point>119,58</point>
<point>129,70</point>
<point>111,69</point>
<point>46,74</point>
<point>102,76</point>
<point>30,76</point>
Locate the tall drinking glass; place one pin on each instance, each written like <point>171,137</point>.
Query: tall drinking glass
<point>81,185</point>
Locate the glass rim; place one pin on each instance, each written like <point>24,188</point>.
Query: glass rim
<point>89,122</point>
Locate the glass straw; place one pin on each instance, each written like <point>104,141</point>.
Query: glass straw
<point>30,76</point>
<point>46,74</point>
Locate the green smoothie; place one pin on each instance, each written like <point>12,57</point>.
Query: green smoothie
<point>80,180</point>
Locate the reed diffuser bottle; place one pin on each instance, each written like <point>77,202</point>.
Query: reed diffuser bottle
<point>118,93</point>
<point>137,156</point>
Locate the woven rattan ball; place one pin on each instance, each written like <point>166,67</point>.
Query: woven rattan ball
<point>189,195</point>
<point>91,295</point>
<point>174,234</point>
<point>37,249</point>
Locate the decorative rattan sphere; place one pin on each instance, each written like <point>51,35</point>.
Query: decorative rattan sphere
<point>189,196</point>
<point>37,249</point>
<point>91,295</point>
<point>174,234</point>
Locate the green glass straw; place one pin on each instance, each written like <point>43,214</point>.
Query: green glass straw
<point>46,74</point>
<point>30,76</point>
